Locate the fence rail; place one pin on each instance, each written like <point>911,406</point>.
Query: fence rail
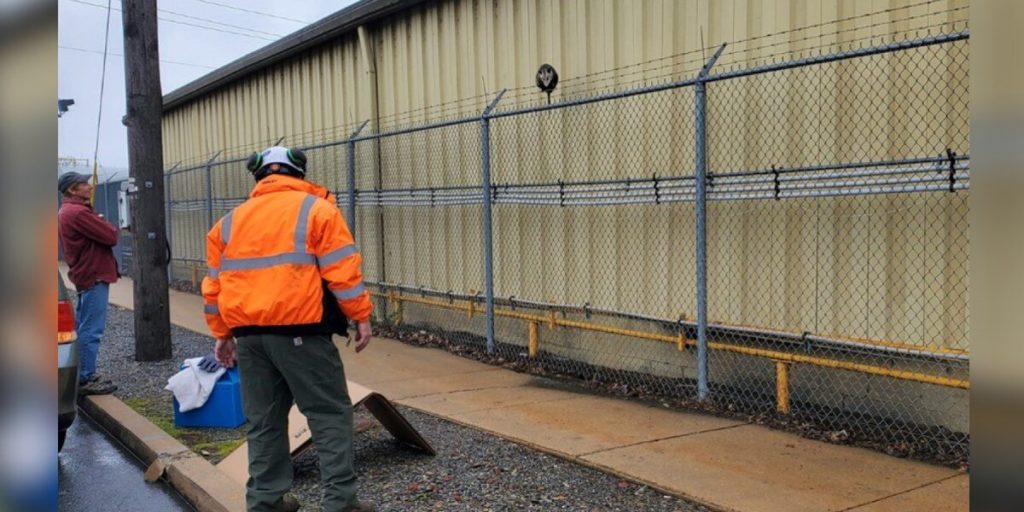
<point>793,234</point>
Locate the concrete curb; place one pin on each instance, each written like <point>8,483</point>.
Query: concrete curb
<point>205,487</point>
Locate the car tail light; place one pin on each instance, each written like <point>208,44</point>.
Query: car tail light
<point>65,322</point>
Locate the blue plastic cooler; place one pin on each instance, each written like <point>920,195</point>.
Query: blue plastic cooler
<point>222,409</point>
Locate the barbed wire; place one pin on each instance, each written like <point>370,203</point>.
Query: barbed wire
<point>595,83</point>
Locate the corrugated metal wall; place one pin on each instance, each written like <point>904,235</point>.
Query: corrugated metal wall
<point>314,97</point>
<point>458,53</point>
<point>450,57</point>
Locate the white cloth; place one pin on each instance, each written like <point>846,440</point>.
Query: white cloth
<point>192,386</point>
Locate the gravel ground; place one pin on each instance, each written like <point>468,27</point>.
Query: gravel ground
<point>473,471</point>
<point>141,385</point>
<point>931,444</point>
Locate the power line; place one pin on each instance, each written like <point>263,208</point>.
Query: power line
<point>121,55</point>
<point>250,11</point>
<point>99,115</point>
<point>179,22</point>
<point>207,20</point>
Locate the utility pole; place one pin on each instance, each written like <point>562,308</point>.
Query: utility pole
<point>145,161</point>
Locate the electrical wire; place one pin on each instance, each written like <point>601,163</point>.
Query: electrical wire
<point>63,47</point>
<point>207,20</point>
<point>179,22</point>
<point>99,114</point>
<point>250,11</point>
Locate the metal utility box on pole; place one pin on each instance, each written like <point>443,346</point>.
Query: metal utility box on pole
<point>145,160</point>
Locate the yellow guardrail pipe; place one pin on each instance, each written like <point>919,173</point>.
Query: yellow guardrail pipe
<point>679,341</point>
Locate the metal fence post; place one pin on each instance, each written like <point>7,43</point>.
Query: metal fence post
<point>106,198</point>
<point>209,189</point>
<point>352,177</point>
<point>700,210</point>
<point>167,217</point>
<point>485,147</point>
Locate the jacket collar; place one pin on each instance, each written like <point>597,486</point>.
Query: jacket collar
<point>284,183</point>
<point>76,201</point>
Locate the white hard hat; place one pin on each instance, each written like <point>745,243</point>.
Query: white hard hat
<point>291,158</point>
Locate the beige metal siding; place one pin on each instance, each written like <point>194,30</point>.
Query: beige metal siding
<point>832,267</point>
<point>459,53</point>
<point>314,97</point>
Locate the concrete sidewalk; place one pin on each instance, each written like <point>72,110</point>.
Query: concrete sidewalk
<point>722,463</point>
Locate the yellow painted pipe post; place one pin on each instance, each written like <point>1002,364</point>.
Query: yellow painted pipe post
<point>533,339</point>
<point>472,304</point>
<point>681,342</point>
<point>782,386</point>
<point>393,299</point>
<point>195,275</point>
<point>551,319</point>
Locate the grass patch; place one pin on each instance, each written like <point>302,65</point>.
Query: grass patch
<point>165,421</point>
<point>218,449</point>
<point>138,404</point>
<point>200,440</point>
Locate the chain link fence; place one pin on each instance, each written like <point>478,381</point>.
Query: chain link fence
<point>786,242</point>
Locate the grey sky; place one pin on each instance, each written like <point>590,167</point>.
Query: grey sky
<point>187,53</point>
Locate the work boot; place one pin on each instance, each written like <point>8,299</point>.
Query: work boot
<point>290,503</point>
<point>96,387</point>
<point>359,507</point>
<point>97,378</point>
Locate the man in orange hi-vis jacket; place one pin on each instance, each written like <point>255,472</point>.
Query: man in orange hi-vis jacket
<point>284,274</point>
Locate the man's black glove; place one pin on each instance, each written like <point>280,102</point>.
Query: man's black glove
<point>209,363</point>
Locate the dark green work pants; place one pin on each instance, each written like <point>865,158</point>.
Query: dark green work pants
<point>275,370</point>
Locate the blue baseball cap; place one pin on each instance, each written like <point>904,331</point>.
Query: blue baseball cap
<point>68,179</point>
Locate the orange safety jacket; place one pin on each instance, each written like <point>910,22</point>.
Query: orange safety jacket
<point>269,258</point>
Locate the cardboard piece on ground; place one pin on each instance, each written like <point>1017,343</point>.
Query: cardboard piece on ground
<point>385,412</point>
<point>236,464</point>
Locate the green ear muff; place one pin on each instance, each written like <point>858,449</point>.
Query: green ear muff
<point>297,157</point>
<point>253,164</point>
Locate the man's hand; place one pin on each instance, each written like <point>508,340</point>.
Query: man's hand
<point>363,334</point>
<point>225,351</point>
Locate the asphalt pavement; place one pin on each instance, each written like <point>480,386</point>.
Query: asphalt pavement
<point>96,473</point>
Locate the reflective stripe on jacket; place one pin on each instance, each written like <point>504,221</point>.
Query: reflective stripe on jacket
<point>269,257</point>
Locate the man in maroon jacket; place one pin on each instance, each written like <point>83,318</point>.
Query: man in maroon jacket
<point>87,240</point>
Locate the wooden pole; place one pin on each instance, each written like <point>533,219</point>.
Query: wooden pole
<point>145,161</point>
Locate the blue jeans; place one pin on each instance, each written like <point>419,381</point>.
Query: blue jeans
<point>91,319</point>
